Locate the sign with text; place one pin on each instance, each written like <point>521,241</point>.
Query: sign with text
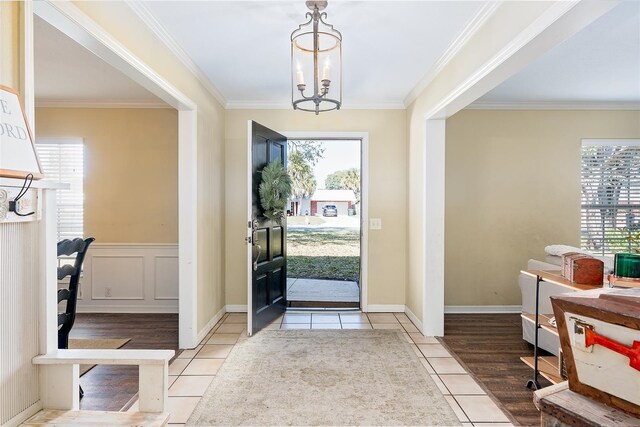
<point>18,156</point>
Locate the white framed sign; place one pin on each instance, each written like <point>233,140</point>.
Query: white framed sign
<point>18,156</point>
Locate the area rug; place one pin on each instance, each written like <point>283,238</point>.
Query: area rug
<point>322,377</point>
<point>102,343</point>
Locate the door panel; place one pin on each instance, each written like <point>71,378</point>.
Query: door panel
<point>267,254</point>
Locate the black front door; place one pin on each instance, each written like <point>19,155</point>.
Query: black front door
<point>267,264</point>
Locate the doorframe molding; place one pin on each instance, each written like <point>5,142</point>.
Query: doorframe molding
<point>74,23</point>
<point>364,198</point>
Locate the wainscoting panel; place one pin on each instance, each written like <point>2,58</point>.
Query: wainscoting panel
<point>166,277</point>
<point>130,278</point>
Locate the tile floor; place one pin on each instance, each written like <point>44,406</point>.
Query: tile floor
<point>193,370</point>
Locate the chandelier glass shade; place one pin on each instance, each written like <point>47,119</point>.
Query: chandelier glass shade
<point>316,63</point>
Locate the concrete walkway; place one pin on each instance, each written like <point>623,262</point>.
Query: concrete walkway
<point>299,289</point>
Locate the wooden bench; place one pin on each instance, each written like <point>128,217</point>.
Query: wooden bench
<point>59,376</point>
<point>52,417</point>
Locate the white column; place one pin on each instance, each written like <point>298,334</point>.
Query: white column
<point>434,197</point>
<point>188,228</point>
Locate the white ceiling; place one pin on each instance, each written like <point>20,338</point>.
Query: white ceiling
<point>243,47</point>
<point>67,72</point>
<point>601,63</point>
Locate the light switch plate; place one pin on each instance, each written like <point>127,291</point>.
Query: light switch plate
<point>375,224</point>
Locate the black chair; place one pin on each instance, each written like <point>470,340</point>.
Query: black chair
<point>70,295</point>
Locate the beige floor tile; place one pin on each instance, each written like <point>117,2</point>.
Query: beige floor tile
<point>396,325</point>
<point>418,338</point>
<point>231,328</point>
<point>409,327</point>
<point>356,326</point>
<point>416,350</point>
<point>382,318</point>
<point>440,384</point>
<point>456,408</point>
<point>326,326</point>
<point>433,350</point>
<point>183,425</point>
<point>353,318</point>
<point>223,339</point>
<point>461,384</point>
<point>189,354</point>
<point>296,318</point>
<point>236,318</point>
<point>172,379</point>
<point>177,366</point>
<point>295,326</point>
<point>446,365</point>
<point>190,386</point>
<point>181,408</point>
<point>325,318</point>
<point>481,409</point>
<point>214,351</point>
<point>493,425</point>
<point>407,338</point>
<point>427,366</point>
<point>403,318</point>
<point>203,367</point>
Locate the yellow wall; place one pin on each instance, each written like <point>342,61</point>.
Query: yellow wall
<point>512,188</point>
<point>10,44</point>
<point>121,22</point>
<point>131,170</point>
<point>387,191</point>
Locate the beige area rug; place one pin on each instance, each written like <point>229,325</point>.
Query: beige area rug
<point>102,343</point>
<point>322,377</point>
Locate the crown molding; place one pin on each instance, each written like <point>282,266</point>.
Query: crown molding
<point>145,15</point>
<point>471,28</point>
<point>553,105</point>
<point>99,103</point>
<point>261,105</point>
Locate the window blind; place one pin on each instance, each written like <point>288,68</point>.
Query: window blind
<point>63,161</point>
<point>610,178</point>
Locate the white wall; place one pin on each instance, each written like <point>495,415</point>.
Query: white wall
<point>129,278</point>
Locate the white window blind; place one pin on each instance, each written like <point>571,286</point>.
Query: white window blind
<point>610,217</point>
<point>62,160</point>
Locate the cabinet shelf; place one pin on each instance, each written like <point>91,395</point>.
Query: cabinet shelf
<point>544,322</point>
<point>547,367</point>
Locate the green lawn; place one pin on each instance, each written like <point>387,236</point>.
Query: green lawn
<point>323,254</point>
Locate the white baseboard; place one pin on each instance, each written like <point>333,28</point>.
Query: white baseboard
<point>24,415</point>
<point>125,309</point>
<point>385,308</point>
<point>417,322</point>
<point>236,308</point>
<point>210,324</point>
<point>480,309</point>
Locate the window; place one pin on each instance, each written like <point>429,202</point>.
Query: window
<point>610,217</point>
<point>62,161</point>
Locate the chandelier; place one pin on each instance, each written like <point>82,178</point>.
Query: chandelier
<point>316,63</point>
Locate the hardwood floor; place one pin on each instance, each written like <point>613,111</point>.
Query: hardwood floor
<point>109,388</point>
<point>491,345</point>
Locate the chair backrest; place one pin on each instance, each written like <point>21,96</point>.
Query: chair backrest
<point>70,295</point>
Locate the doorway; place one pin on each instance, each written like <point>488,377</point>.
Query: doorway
<point>324,223</point>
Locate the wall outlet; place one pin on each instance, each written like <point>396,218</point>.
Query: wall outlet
<point>107,292</point>
<point>375,224</point>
